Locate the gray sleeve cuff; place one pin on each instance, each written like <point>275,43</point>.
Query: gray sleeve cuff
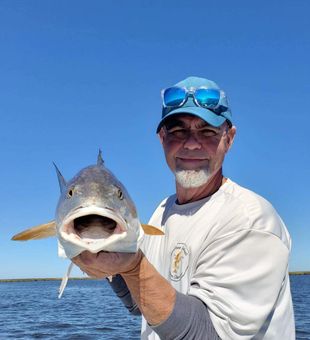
<point>120,288</point>
<point>189,320</point>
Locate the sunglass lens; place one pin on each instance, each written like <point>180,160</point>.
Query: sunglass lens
<point>174,96</point>
<point>207,97</point>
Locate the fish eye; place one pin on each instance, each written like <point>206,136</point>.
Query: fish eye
<point>120,194</point>
<point>70,193</point>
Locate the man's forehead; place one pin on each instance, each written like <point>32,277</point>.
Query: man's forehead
<point>186,120</point>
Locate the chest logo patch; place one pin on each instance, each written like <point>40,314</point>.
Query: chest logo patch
<point>179,261</point>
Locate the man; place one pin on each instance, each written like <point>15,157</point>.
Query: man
<point>221,269</point>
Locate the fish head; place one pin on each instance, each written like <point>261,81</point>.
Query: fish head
<point>96,213</point>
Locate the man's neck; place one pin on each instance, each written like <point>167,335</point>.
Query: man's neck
<point>187,195</point>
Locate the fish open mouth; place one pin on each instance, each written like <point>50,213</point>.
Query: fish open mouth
<point>89,228</point>
<point>92,224</point>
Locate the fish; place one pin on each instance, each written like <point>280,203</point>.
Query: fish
<point>95,213</point>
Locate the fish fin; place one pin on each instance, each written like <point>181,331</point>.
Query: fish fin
<point>64,280</point>
<point>62,182</point>
<point>151,230</point>
<point>100,161</point>
<point>37,232</point>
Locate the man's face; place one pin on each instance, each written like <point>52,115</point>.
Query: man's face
<point>193,146</point>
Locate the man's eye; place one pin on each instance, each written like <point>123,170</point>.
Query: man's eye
<point>179,133</point>
<point>208,133</point>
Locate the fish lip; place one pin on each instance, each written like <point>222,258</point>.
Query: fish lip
<point>73,244</point>
<point>93,210</point>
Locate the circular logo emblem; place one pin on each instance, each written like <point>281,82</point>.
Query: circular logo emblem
<point>179,261</point>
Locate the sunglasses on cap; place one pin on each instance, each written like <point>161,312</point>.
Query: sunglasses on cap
<point>174,97</point>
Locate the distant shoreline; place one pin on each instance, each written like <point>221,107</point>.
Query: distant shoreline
<point>45,279</point>
<point>90,278</point>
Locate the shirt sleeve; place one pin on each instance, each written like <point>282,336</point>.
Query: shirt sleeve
<point>239,277</point>
<point>189,320</point>
<point>120,288</point>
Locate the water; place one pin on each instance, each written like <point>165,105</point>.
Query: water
<point>300,286</point>
<point>89,310</point>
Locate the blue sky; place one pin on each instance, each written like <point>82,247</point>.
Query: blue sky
<point>76,76</point>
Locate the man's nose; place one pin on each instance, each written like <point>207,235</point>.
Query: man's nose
<point>192,142</point>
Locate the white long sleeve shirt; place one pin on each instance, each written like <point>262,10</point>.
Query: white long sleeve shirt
<point>230,250</point>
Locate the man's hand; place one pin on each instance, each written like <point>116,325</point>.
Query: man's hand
<point>153,294</point>
<point>105,264</point>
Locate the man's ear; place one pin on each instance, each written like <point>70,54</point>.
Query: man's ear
<point>161,135</point>
<point>231,133</point>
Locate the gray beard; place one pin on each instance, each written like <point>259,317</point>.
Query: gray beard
<point>192,178</point>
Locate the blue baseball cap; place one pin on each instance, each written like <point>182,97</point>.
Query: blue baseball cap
<point>215,118</point>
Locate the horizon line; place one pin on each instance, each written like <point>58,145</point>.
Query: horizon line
<point>93,278</point>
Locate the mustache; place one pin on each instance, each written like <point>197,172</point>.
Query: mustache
<point>193,155</point>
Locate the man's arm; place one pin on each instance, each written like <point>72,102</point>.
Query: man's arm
<point>189,320</point>
<point>121,290</point>
<point>153,294</point>
<point>172,315</point>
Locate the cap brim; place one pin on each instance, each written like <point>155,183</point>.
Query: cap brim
<point>200,112</point>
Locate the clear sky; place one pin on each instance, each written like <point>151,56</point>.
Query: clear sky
<point>76,76</point>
